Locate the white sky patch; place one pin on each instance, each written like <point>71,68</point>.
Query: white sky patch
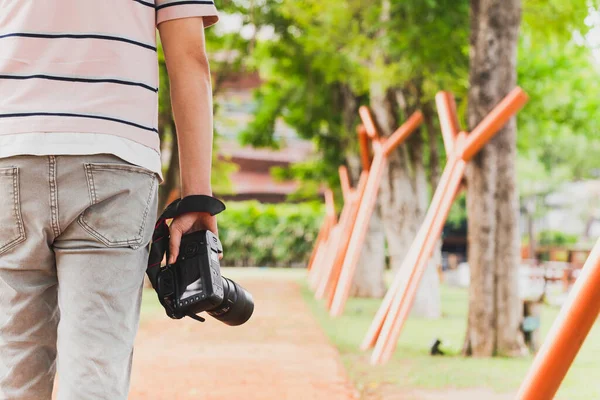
<point>230,23</point>
<point>593,37</point>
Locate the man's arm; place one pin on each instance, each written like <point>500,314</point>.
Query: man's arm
<point>191,100</point>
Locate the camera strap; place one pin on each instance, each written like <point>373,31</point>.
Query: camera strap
<point>160,239</point>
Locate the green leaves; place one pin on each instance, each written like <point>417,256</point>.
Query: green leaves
<point>556,18</point>
<point>559,125</point>
<point>257,234</point>
<point>320,52</point>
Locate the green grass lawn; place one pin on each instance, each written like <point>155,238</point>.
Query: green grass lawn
<point>412,367</point>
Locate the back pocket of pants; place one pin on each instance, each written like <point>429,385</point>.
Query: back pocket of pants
<point>121,196</point>
<point>12,231</point>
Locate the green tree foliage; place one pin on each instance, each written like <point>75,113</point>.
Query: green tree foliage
<point>255,234</point>
<point>557,19</point>
<point>555,238</point>
<point>319,49</point>
<point>558,137</point>
<point>320,56</point>
<point>303,81</point>
<point>560,121</point>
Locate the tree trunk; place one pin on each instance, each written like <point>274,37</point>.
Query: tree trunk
<point>368,279</point>
<point>404,198</point>
<point>428,302</point>
<point>398,194</point>
<point>433,140</point>
<point>495,309</point>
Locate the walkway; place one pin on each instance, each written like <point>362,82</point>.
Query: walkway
<point>281,354</point>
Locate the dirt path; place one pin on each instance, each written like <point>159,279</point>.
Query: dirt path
<point>281,354</point>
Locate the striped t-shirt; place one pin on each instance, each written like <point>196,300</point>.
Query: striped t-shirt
<point>85,66</point>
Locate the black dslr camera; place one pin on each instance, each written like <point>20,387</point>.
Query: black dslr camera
<point>193,284</point>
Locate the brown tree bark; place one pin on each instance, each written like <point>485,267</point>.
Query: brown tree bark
<point>368,279</point>
<point>404,194</point>
<point>399,192</point>
<point>432,135</point>
<point>495,310</point>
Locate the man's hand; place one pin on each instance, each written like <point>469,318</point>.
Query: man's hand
<point>188,223</point>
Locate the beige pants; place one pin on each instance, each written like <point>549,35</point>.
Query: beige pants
<point>74,235</point>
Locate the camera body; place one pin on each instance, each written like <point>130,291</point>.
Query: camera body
<point>193,284</point>
<point>198,267</point>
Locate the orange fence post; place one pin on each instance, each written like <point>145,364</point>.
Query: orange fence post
<point>567,334</point>
<point>346,235</point>
<point>318,242</point>
<point>315,272</point>
<point>410,259</point>
<point>334,233</point>
<point>448,122</point>
<point>368,123</point>
<point>496,119</point>
<point>325,226</point>
<point>385,329</point>
<point>328,258</point>
<point>337,234</point>
<point>330,206</point>
<point>449,125</point>
<point>321,247</point>
<point>363,142</point>
<point>381,148</point>
<point>349,212</point>
<point>345,182</point>
<point>397,138</point>
<point>346,223</point>
<point>400,307</point>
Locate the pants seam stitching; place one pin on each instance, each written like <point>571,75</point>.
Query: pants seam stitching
<point>53,196</point>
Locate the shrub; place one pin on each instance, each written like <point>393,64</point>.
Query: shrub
<point>556,238</point>
<point>255,234</point>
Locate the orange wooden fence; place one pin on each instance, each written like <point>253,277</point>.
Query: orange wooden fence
<point>325,226</point>
<point>345,220</point>
<point>352,199</point>
<point>323,239</point>
<point>389,320</point>
<point>350,251</point>
<point>567,334</point>
<point>324,280</point>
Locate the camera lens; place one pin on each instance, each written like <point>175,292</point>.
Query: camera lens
<point>237,306</point>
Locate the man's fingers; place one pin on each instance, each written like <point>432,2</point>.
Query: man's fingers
<point>188,223</point>
<point>174,243</point>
